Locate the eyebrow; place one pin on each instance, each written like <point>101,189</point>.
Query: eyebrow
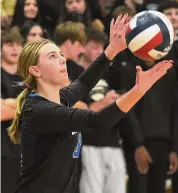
<point>53,52</point>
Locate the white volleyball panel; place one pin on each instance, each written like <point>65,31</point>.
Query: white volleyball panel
<point>143,38</point>
<point>157,54</point>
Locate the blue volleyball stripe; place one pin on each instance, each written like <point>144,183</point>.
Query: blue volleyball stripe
<point>164,30</point>
<point>144,24</point>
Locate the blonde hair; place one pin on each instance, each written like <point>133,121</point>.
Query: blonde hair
<point>29,57</point>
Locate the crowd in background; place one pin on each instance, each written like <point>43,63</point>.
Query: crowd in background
<point>140,152</point>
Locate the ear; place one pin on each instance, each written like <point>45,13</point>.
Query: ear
<point>34,71</point>
<point>68,43</point>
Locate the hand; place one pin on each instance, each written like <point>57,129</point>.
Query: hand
<point>117,36</point>
<point>145,80</point>
<point>80,105</point>
<point>142,158</point>
<point>173,161</point>
<point>110,97</point>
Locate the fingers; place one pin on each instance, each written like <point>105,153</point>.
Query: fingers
<point>160,69</point>
<point>143,166</point>
<point>139,70</point>
<point>162,64</point>
<point>118,21</point>
<point>122,22</point>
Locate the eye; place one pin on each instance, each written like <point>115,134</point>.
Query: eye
<point>52,56</point>
<point>62,54</point>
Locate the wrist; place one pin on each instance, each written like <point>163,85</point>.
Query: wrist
<point>110,52</point>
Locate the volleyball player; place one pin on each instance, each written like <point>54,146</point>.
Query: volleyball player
<point>45,125</point>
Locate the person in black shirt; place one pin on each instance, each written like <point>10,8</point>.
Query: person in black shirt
<point>45,125</point>
<point>102,157</point>
<point>10,154</point>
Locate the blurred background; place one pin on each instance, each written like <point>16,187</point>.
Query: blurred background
<point>80,28</point>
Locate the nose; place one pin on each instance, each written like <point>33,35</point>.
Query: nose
<point>32,7</point>
<point>82,49</point>
<point>63,59</point>
<point>74,6</point>
<point>174,16</point>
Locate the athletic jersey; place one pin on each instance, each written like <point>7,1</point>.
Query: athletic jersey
<point>50,134</point>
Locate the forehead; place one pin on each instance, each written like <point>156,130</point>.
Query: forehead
<point>95,43</point>
<point>36,27</point>
<point>170,10</point>
<point>30,1</point>
<point>49,47</point>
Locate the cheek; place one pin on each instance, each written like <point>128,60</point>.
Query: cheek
<point>36,10</point>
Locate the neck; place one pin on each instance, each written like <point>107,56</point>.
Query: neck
<point>49,92</point>
<point>84,62</point>
<point>10,68</point>
<point>66,51</point>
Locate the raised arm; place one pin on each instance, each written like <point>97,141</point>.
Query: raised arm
<point>93,74</point>
<point>67,119</point>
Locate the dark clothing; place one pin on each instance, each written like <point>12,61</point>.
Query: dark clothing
<point>74,70</point>
<point>9,89</point>
<point>100,137</point>
<point>175,182</point>
<point>10,153</point>
<point>154,181</point>
<point>10,168</point>
<point>49,135</point>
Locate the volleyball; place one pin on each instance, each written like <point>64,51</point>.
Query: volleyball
<point>150,35</point>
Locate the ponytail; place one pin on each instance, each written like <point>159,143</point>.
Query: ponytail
<point>13,130</point>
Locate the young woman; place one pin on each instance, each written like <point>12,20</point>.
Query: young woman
<point>26,10</point>
<point>46,126</point>
<point>32,31</point>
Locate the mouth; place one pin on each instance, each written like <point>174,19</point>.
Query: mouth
<point>63,71</point>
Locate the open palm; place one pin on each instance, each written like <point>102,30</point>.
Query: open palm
<point>146,79</point>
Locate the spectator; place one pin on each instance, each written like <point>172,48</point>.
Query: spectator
<point>7,12</point>
<point>26,10</point>
<point>94,46</point>
<point>170,9</point>
<point>33,31</point>
<point>102,158</point>
<point>70,37</point>
<point>10,153</point>
<point>153,134</point>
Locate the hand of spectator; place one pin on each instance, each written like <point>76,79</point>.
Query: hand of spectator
<point>146,79</point>
<point>80,105</point>
<point>117,41</point>
<point>110,97</point>
<point>173,163</point>
<point>143,159</point>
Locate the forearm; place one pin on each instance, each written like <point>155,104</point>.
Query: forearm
<point>7,113</point>
<point>128,100</point>
<point>93,74</point>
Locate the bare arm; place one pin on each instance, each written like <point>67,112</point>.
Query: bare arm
<point>8,107</point>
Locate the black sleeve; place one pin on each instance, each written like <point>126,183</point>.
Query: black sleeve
<point>50,117</point>
<point>87,80</point>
